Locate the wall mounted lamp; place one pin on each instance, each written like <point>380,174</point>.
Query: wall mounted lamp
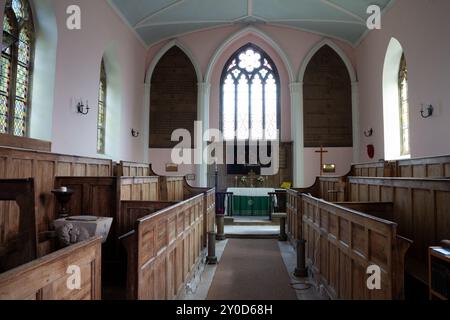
<point>427,112</point>
<point>368,133</point>
<point>135,133</point>
<point>83,109</point>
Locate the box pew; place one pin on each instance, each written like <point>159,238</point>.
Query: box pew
<point>122,198</point>
<point>428,167</point>
<point>163,250</point>
<point>43,167</point>
<point>374,169</point>
<point>133,169</point>
<point>431,167</point>
<point>18,238</point>
<point>46,278</point>
<point>342,243</point>
<point>420,208</point>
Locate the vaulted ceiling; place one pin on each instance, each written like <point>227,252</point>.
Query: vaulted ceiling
<point>156,20</point>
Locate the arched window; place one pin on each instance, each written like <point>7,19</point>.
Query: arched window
<point>250,96</point>
<point>101,120</point>
<point>17,66</point>
<point>404,106</point>
<point>395,103</point>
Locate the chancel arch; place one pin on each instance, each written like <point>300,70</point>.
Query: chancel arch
<point>395,102</point>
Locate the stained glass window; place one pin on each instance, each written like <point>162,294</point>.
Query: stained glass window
<point>404,107</point>
<point>16,68</point>
<point>250,96</point>
<point>101,120</point>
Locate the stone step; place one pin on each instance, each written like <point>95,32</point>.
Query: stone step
<point>236,221</point>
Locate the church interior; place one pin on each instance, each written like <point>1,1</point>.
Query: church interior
<point>225,150</point>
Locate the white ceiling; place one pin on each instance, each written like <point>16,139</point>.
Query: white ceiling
<point>156,20</point>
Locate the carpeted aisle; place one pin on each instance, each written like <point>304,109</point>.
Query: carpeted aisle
<point>251,269</point>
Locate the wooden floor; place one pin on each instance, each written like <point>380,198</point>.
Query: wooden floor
<point>251,269</point>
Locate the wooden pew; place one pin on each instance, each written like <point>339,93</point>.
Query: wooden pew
<point>43,167</point>
<point>420,208</point>
<point>46,278</point>
<point>431,167</point>
<point>374,169</point>
<point>133,169</point>
<point>343,243</point>
<point>125,199</point>
<point>18,238</point>
<point>427,167</point>
<point>163,250</point>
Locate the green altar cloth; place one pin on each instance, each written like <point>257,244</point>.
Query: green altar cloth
<point>251,202</point>
<point>251,206</point>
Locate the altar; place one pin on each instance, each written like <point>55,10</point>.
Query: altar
<point>252,202</point>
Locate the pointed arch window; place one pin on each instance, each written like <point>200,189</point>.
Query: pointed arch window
<point>16,68</point>
<point>101,120</point>
<point>404,107</point>
<point>250,96</point>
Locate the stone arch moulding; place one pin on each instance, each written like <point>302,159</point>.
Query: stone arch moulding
<point>244,32</point>
<point>298,141</point>
<point>337,49</point>
<point>163,51</point>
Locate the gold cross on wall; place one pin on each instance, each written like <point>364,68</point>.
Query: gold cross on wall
<point>321,151</point>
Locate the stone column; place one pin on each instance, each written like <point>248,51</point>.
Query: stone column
<point>146,121</point>
<point>355,120</point>
<point>204,90</point>
<point>297,133</point>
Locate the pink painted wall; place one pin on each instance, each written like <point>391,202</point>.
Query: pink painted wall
<point>160,157</point>
<point>79,54</point>
<point>422,28</point>
<point>295,44</point>
<point>341,157</point>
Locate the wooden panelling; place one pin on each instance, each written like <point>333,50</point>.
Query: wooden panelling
<point>374,169</point>
<point>340,251</point>
<point>163,250</point>
<point>18,238</point>
<point>430,167</point>
<point>46,278</point>
<point>43,167</point>
<point>8,140</point>
<point>130,211</point>
<point>174,188</point>
<point>132,169</point>
<point>142,188</point>
<point>420,209</point>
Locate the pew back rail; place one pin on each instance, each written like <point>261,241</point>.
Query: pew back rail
<point>46,278</point>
